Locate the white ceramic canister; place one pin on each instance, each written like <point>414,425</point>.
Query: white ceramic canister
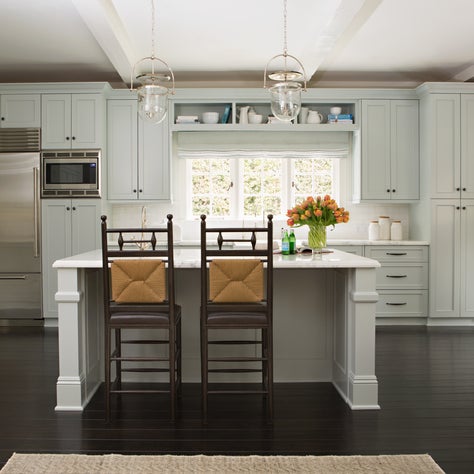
<point>396,230</point>
<point>374,230</point>
<point>384,228</point>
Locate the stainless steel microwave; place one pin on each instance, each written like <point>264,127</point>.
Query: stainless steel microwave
<point>70,173</point>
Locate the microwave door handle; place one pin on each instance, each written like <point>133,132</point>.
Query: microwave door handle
<point>36,201</point>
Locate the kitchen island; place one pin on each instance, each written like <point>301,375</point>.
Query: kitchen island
<point>324,323</point>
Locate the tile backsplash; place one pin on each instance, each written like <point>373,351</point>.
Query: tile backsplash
<point>356,228</point>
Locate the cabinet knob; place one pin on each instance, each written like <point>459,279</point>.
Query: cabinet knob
<point>68,208</point>
<point>3,118</point>
<point>73,138</point>
<point>458,189</point>
<point>140,190</point>
<point>73,208</point>
<point>134,190</point>
<point>67,138</point>
<point>393,190</point>
<point>457,207</point>
<point>388,190</point>
<point>464,189</point>
<point>464,208</point>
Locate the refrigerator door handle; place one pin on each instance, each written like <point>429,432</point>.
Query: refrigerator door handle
<point>36,212</point>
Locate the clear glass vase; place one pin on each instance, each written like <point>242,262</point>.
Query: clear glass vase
<point>317,238</point>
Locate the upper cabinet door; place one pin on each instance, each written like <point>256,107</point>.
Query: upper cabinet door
<point>56,121</point>
<point>122,146</point>
<point>72,121</point>
<point>467,146</point>
<point>445,149</point>
<point>375,172</point>
<point>405,162</point>
<point>87,118</point>
<point>153,161</point>
<point>18,110</point>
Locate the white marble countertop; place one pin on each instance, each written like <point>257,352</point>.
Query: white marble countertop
<point>375,242</point>
<point>190,258</point>
<point>330,242</point>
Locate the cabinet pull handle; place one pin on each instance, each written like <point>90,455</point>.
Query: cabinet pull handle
<point>464,189</point>
<point>12,277</point>
<point>457,208</point>
<point>464,208</point>
<point>140,190</point>
<point>3,118</point>
<point>396,254</point>
<point>393,190</point>
<point>388,190</point>
<point>395,304</point>
<point>67,138</point>
<point>73,208</point>
<point>458,189</point>
<point>73,138</point>
<point>396,276</point>
<point>134,190</point>
<point>68,208</point>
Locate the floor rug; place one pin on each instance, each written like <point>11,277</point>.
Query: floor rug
<point>201,464</point>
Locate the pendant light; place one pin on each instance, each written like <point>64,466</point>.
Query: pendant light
<point>152,96</point>
<point>285,96</point>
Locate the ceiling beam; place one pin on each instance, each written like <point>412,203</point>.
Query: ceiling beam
<point>104,23</point>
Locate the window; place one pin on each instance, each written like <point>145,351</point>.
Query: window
<point>250,187</point>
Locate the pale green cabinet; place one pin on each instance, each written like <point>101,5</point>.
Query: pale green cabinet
<point>69,227</point>
<point>72,121</point>
<point>451,145</point>
<point>452,257</point>
<point>138,155</point>
<point>389,168</point>
<point>20,110</point>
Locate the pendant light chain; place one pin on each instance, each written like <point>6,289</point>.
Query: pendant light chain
<point>285,43</point>
<point>152,36</point>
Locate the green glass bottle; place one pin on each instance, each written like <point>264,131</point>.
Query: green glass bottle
<point>292,240</point>
<point>285,242</point>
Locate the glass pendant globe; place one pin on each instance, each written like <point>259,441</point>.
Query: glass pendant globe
<point>285,100</point>
<point>152,102</point>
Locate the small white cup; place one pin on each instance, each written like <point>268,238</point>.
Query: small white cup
<point>335,110</point>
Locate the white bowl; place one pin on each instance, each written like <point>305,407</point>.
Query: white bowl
<point>210,117</point>
<point>255,118</point>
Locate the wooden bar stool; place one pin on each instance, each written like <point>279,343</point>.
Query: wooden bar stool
<point>237,294</point>
<point>139,294</point>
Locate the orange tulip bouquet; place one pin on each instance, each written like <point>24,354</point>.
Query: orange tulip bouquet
<point>317,213</point>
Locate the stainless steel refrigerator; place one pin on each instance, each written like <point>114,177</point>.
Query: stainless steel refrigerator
<point>20,261</point>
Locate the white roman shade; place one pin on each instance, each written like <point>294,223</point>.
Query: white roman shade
<point>274,144</point>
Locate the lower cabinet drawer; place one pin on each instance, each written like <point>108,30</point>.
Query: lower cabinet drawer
<point>402,303</point>
<point>410,275</point>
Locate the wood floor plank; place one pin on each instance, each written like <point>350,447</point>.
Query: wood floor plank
<point>426,391</point>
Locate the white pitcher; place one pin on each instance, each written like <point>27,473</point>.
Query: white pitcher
<point>314,117</point>
<point>244,114</point>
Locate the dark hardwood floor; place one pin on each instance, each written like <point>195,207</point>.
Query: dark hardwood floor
<point>426,380</point>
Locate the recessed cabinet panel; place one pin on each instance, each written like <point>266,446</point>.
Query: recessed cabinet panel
<point>404,150</point>
<point>445,258</point>
<point>20,110</point>
<point>122,142</point>
<point>376,149</point>
<point>445,151</point>
<point>467,146</point>
<point>467,258</point>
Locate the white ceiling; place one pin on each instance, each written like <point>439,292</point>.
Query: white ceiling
<point>347,43</point>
